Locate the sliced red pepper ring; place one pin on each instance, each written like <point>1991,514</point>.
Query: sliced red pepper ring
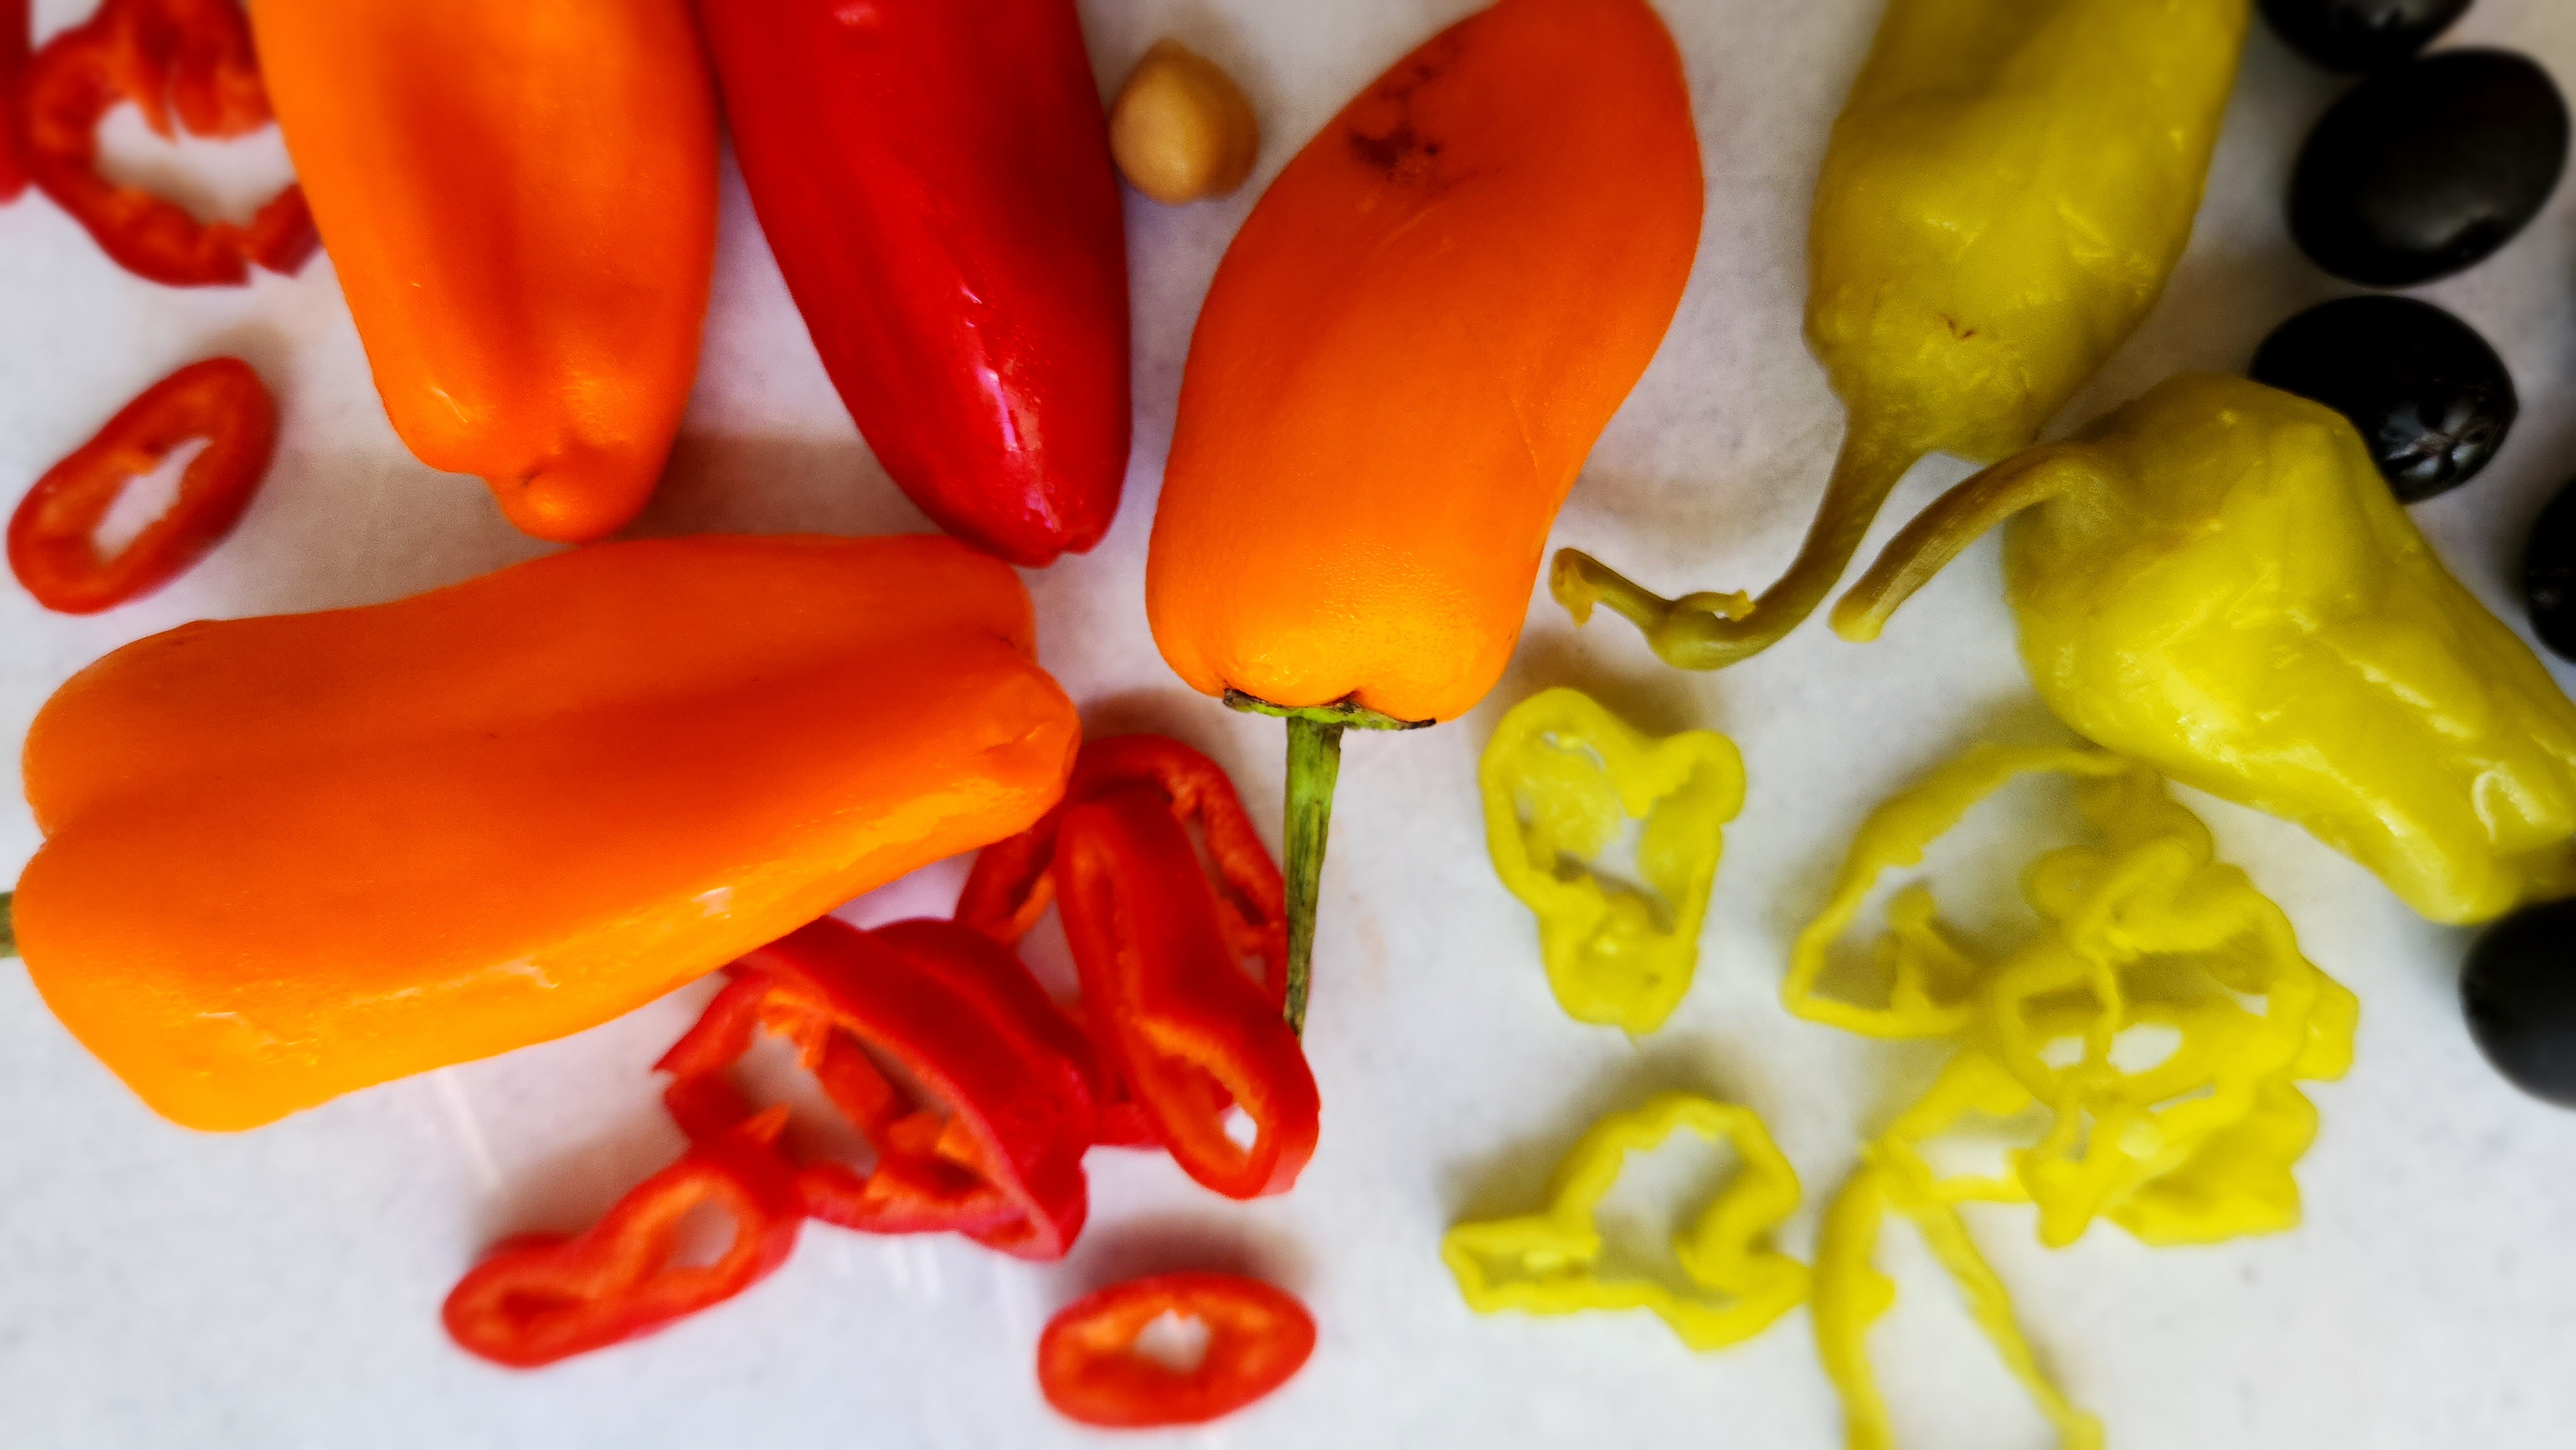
<point>191,58</point>
<point>1011,886</point>
<point>1193,1037</point>
<point>1090,1370</point>
<point>539,1298</point>
<point>960,1015</point>
<point>52,537</point>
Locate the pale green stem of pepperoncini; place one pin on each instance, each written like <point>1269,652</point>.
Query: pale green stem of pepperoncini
<point>1549,1262</point>
<point>8,925</point>
<point>1560,779</point>
<point>1709,631</point>
<point>1314,770</point>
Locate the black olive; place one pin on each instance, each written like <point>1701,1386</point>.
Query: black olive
<point>2360,34</point>
<point>2431,399</point>
<point>2549,574</point>
<point>2428,168</point>
<point>2520,992</point>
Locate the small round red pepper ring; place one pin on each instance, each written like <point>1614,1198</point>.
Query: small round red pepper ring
<point>52,537</point>
<point>192,57</point>
<point>1090,1370</point>
<point>540,1298</point>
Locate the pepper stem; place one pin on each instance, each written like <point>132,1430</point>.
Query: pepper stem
<point>8,925</point>
<point>1952,522</point>
<point>1314,768</point>
<point>1709,630</point>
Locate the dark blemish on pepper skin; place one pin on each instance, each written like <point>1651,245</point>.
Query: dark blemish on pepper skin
<point>1400,151</point>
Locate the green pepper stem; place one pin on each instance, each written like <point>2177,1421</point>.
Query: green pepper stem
<point>1708,630</point>
<point>1954,521</point>
<point>1314,768</point>
<point>8,925</point>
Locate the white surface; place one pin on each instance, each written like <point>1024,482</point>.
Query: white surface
<point>280,1288</point>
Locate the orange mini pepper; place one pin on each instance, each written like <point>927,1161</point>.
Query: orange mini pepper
<point>289,857</point>
<point>520,200</point>
<point>1405,356</point>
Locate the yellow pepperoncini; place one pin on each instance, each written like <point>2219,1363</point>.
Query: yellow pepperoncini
<point>1549,1262</point>
<point>1561,778</point>
<point>2215,579</point>
<point>2142,929</point>
<point>2004,196</point>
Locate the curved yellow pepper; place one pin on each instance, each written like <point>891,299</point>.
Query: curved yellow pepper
<point>1561,778</point>
<point>1548,1262</point>
<point>2215,579</point>
<point>2005,194</point>
<point>2144,928</point>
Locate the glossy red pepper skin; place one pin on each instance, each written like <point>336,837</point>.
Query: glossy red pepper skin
<point>1010,887</point>
<point>935,181</point>
<point>540,1298</point>
<point>50,536</point>
<point>1002,1164</point>
<point>1258,1337</point>
<point>188,59</point>
<point>1013,881</point>
<point>1169,1006</point>
<point>15,37</point>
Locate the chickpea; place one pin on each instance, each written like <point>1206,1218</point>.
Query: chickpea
<point>1181,128</point>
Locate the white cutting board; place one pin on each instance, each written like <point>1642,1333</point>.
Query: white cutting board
<point>281,1288</point>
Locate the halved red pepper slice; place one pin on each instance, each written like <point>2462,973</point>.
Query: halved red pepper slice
<point>1191,1035</point>
<point>539,1298</point>
<point>52,547</point>
<point>1088,1367</point>
<point>1013,883</point>
<point>1010,887</point>
<point>188,57</point>
<point>957,1012</point>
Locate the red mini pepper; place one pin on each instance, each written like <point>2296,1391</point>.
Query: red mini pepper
<point>1090,1371</point>
<point>961,1017</point>
<point>191,58</point>
<point>935,181</point>
<point>52,545</point>
<point>543,1297</point>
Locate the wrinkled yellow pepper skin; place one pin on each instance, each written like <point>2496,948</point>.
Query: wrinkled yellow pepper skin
<point>1548,1262</point>
<point>2005,194</point>
<point>1561,778</point>
<point>2215,579</point>
<point>2142,928</point>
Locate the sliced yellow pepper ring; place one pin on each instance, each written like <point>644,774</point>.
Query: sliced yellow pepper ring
<point>1931,982</point>
<point>1548,1262</point>
<point>1561,778</point>
<point>1851,1294</point>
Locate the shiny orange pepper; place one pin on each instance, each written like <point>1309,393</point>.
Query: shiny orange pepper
<point>520,200</point>
<point>1403,360</point>
<point>289,857</point>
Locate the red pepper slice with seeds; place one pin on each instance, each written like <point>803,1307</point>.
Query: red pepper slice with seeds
<point>539,1298</point>
<point>52,536</point>
<point>1090,1370</point>
<point>998,1157</point>
<point>1170,1009</point>
<point>188,58</point>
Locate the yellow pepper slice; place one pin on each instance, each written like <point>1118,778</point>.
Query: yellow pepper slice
<point>1548,1262</point>
<point>1561,778</point>
<point>1931,982</point>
